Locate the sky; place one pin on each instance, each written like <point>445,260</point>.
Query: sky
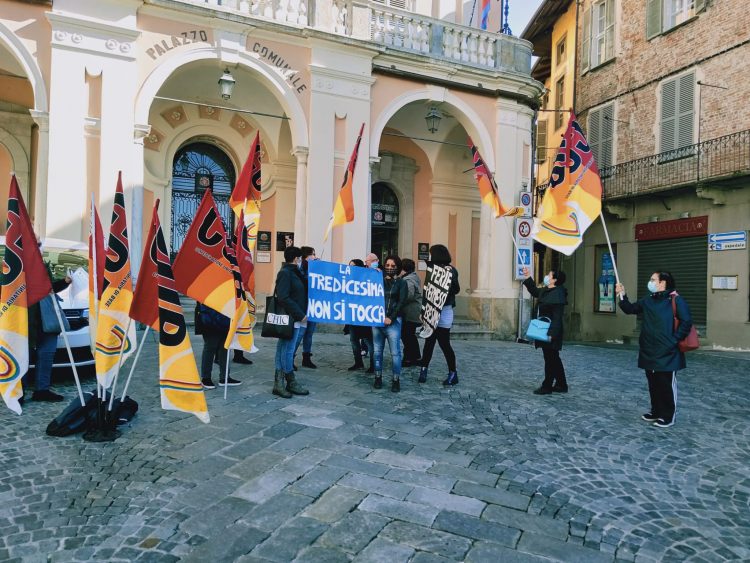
<point>520,14</point>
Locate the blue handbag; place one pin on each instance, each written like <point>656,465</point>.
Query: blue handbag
<point>538,329</point>
<point>50,321</point>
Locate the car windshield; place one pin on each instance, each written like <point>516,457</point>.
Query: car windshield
<point>64,260</point>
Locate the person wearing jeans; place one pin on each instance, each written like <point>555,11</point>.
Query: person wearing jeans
<point>291,294</point>
<point>395,295</point>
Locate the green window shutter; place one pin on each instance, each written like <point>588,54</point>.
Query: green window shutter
<point>700,5</point>
<point>607,136</point>
<point>594,133</point>
<point>609,50</point>
<point>586,41</point>
<point>541,140</point>
<point>685,110</point>
<point>653,18</point>
<point>668,137</point>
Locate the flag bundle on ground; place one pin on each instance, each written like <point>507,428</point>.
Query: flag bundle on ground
<point>343,209</point>
<point>114,332</point>
<point>574,198</point>
<point>157,304</point>
<point>202,267</point>
<point>487,187</point>
<point>246,195</point>
<point>24,281</point>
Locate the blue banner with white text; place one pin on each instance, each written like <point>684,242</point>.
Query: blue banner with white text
<point>341,294</point>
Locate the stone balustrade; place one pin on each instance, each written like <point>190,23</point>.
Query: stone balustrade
<point>392,28</point>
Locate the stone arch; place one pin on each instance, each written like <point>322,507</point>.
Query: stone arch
<point>20,159</point>
<point>464,113</point>
<point>29,65</point>
<point>277,85</point>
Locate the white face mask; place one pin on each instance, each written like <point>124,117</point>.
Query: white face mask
<point>374,265</point>
<point>653,287</point>
<point>547,279</point>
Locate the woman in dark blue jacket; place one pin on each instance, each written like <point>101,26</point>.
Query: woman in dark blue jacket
<point>291,294</point>
<point>659,353</point>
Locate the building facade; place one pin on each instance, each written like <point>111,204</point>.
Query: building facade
<point>90,87</point>
<point>660,92</point>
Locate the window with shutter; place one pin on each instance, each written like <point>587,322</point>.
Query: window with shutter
<point>677,116</point>
<point>559,102</point>
<point>541,140</point>
<point>601,135</point>
<point>663,15</point>
<point>586,40</point>
<point>598,45</point>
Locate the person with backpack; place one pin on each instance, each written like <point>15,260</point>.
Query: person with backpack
<point>214,328</point>
<point>410,313</point>
<point>658,345</point>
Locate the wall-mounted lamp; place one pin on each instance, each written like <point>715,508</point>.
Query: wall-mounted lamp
<point>226,84</point>
<point>433,118</point>
<point>685,215</point>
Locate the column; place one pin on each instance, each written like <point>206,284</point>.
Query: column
<point>41,118</point>
<point>300,202</point>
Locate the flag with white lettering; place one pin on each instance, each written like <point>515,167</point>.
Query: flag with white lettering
<point>437,286</point>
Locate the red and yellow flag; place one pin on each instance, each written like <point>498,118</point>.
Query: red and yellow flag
<point>246,194</point>
<point>21,257</point>
<point>179,383</point>
<point>487,187</point>
<point>114,332</point>
<point>574,198</point>
<point>145,305</point>
<point>343,209</point>
<point>202,269</point>
<point>240,335</point>
<point>96,264</point>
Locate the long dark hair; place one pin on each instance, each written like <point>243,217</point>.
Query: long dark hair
<point>440,255</point>
<point>669,278</point>
<point>559,277</point>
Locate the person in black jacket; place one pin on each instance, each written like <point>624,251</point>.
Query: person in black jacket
<point>440,256</point>
<point>552,299</point>
<point>395,295</point>
<point>359,335</point>
<point>659,353</point>
<point>213,327</point>
<point>291,294</point>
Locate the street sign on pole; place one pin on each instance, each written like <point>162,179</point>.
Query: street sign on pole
<point>735,240</point>
<point>522,258</point>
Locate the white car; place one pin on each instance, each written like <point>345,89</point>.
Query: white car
<point>65,257</point>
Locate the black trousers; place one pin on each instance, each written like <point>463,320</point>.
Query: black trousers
<point>213,346</point>
<point>662,387</point>
<point>554,372</point>
<point>409,338</point>
<point>443,337</point>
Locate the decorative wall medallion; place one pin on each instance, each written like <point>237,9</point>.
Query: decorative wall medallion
<point>60,35</point>
<point>175,116</point>
<point>125,47</point>
<point>153,140</point>
<point>209,112</point>
<point>77,38</point>
<point>240,125</point>
<point>111,44</point>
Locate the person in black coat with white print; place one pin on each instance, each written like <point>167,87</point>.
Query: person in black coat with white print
<point>552,299</point>
<point>659,353</point>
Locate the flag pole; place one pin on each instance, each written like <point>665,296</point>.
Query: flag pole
<point>135,361</point>
<point>67,346</point>
<point>226,373</point>
<point>95,274</point>
<point>119,365</point>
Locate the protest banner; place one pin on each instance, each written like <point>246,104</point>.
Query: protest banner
<point>341,294</point>
<point>437,285</point>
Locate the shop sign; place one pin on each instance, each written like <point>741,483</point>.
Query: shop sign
<point>678,228</point>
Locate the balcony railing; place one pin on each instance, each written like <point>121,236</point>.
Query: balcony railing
<point>715,160</point>
<point>390,27</point>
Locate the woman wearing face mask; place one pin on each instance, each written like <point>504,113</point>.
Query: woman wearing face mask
<point>440,256</point>
<point>395,295</point>
<point>659,353</point>
<point>552,299</point>
<point>291,293</point>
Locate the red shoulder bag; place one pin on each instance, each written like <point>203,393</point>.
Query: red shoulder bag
<point>690,342</point>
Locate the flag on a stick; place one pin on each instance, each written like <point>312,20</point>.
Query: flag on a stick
<point>22,258</point>
<point>202,269</point>
<point>179,383</point>
<point>96,264</point>
<point>145,305</point>
<point>246,194</point>
<point>573,199</point>
<point>240,335</point>
<point>114,332</point>
<point>343,209</point>
<point>487,187</point>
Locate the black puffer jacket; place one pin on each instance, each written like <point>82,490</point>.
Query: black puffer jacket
<point>291,291</point>
<point>658,349</point>
<point>395,296</point>
<point>552,301</point>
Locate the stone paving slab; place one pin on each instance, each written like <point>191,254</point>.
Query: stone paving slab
<point>485,471</point>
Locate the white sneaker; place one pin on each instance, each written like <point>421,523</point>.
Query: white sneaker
<point>661,423</point>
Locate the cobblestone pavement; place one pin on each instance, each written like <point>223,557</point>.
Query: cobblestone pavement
<point>485,471</point>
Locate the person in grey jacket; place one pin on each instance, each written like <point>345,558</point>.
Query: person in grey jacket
<point>410,311</point>
<point>659,353</point>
